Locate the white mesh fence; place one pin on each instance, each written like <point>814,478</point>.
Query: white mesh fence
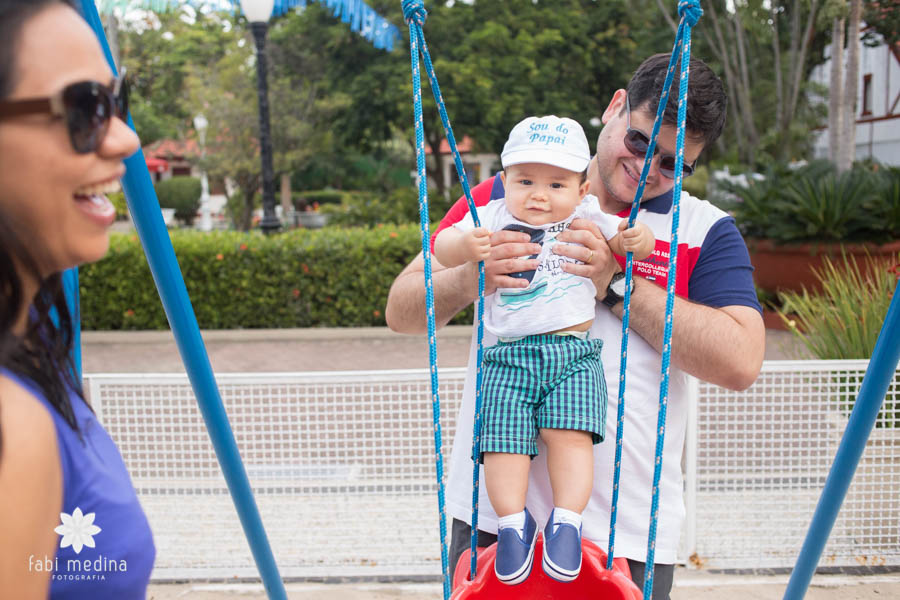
<point>762,457</point>
<point>342,468</point>
<point>341,465</point>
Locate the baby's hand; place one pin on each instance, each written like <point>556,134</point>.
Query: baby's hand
<point>638,239</point>
<point>477,244</point>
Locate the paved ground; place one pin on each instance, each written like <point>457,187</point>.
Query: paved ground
<point>320,349</point>
<point>689,585</point>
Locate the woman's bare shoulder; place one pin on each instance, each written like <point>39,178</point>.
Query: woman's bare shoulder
<point>28,444</point>
<point>31,480</point>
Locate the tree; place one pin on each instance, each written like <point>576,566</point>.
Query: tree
<point>764,51</point>
<point>843,85</point>
<point>226,94</point>
<point>499,62</point>
<point>884,17</point>
<point>159,51</point>
<point>848,109</point>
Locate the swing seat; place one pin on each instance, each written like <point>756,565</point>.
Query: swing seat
<point>594,581</point>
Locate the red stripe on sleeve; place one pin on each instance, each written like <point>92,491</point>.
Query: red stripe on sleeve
<point>481,195</point>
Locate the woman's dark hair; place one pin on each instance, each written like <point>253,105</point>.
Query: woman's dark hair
<point>43,354</point>
<point>707,101</point>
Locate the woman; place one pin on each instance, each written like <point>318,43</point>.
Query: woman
<point>72,525</point>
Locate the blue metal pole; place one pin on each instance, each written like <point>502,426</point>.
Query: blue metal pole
<point>144,207</point>
<point>865,410</point>
<point>70,287</point>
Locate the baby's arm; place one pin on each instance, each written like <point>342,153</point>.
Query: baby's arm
<point>453,247</point>
<point>638,239</point>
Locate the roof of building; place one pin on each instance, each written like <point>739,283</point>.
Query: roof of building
<point>463,146</point>
<point>172,149</point>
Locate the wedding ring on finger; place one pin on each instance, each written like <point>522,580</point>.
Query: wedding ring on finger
<point>590,257</point>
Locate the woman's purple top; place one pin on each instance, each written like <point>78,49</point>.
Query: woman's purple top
<point>105,547</point>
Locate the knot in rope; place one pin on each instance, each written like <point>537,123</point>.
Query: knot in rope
<point>414,10</point>
<point>690,10</point>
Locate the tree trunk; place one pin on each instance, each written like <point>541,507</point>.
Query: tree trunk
<point>848,130</point>
<point>112,36</point>
<point>665,13</point>
<point>792,59</point>
<point>779,86</point>
<point>744,87</point>
<point>435,170</point>
<point>798,64</point>
<point>835,91</point>
<point>733,84</point>
<point>246,221</point>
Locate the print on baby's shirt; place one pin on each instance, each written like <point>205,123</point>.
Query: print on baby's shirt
<point>549,282</point>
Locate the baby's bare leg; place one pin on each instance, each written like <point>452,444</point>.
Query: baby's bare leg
<point>506,478</point>
<point>570,461</point>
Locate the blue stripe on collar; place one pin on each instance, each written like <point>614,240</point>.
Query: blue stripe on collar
<point>661,204</point>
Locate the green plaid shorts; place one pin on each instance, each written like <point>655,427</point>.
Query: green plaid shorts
<point>541,382</point>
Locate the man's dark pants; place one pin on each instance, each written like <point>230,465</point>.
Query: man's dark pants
<point>461,540</point>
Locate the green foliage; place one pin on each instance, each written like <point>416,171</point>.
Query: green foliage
<point>884,18</point>
<point>159,52</point>
<point>181,193</point>
<point>401,206</point>
<point>345,168</point>
<point>328,277</point>
<point>311,198</point>
<point>118,200</point>
<point>815,203</point>
<point>695,185</point>
<point>844,320</point>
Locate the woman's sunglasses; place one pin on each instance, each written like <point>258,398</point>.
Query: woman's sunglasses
<point>637,142</point>
<point>86,106</point>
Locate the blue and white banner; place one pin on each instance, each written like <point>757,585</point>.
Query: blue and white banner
<point>361,17</point>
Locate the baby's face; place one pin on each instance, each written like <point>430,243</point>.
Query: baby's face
<point>538,194</point>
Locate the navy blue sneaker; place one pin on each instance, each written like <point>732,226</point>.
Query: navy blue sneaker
<point>515,555</point>
<point>562,551</point>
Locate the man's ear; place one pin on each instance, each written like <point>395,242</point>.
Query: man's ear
<point>616,104</point>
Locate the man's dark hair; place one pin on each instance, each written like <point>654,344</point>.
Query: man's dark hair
<point>706,96</point>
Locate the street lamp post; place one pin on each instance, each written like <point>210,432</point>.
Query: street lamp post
<point>258,13</point>
<point>200,124</point>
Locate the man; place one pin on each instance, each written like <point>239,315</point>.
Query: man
<point>717,332</point>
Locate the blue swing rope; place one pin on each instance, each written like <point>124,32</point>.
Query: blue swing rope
<point>690,12</point>
<point>414,13</point>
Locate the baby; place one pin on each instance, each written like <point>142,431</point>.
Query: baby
<point>544,376</point>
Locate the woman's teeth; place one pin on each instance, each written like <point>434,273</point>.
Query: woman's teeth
<point>97,189</point>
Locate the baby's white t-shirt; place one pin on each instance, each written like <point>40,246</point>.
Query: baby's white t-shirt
<point>554,299</point>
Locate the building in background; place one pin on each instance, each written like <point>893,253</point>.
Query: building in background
<point>877,103</point>
<point>478,166</point>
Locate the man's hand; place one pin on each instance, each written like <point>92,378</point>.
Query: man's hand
<point>476,245</point>
<point>599,264</point>
<point>507,250</point>
<point>638,240</point>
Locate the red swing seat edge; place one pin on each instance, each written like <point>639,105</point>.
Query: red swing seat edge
<point>595,581</point>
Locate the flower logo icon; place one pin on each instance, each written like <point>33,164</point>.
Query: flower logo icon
<point>78,530</point>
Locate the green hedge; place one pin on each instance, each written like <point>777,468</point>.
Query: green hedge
<point>308,199</point>
<point>304,278</point>
<point>181,193</point>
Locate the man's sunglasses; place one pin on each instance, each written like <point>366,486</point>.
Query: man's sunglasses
<point>637,142</point>
<point>86,106</point>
